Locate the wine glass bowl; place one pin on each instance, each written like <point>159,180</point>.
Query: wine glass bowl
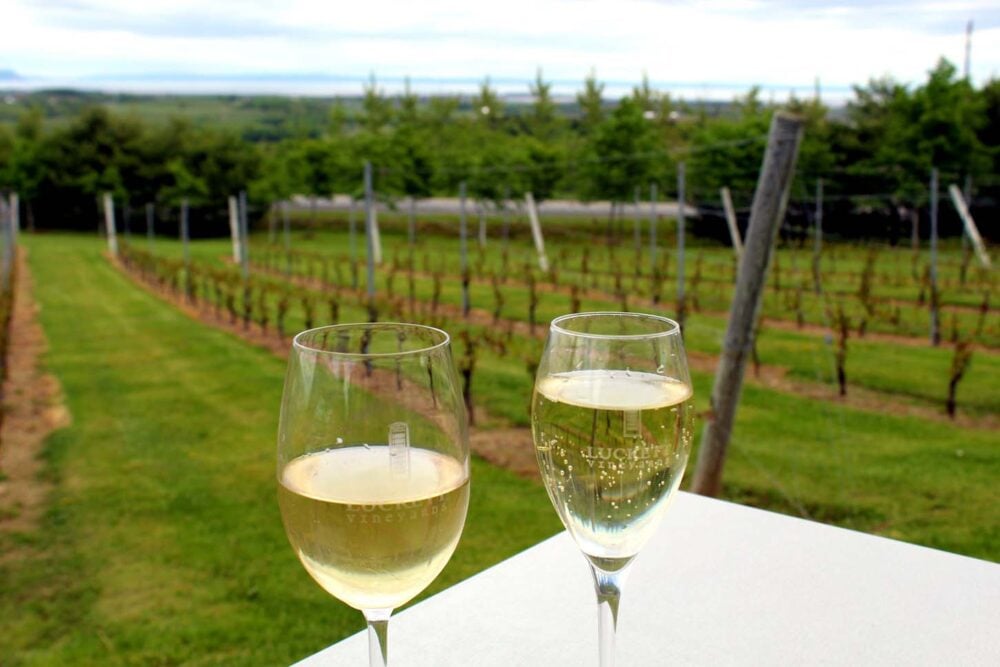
<point>373,463</point>
<point>611,422</point>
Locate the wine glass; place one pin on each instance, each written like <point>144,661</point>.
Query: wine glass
<point>611,421</point>
<point>373,463</point>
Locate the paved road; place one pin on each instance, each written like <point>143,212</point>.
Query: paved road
<point>562,207</point>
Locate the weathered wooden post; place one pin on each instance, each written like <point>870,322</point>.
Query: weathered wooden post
<point>150,222</point>
<point>818,238</point>
<point>7,221</point>
<point>653,219</point>
<point>352,242</point>
<point>185,234</point>
<point>234,228</point>
<point>730,213</point>
<point>15,215</point>
<point>370,239</point>
<point>971,231</point>
<point>766,214</point>
<point>286,233</point>
<point>681,234</point>
<point>411,223</point>
<point>482,224</point>
<point>244,226</point>
<point>536,232</point>
<point>935,313</point>
<point>463,244</point>
<point>637,228</point>
<point>109,223</point>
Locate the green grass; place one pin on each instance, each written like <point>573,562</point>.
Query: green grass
<point>162,543</point>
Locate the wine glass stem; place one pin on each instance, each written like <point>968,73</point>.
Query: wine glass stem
<point>609,593</point>
<point>378,629</point>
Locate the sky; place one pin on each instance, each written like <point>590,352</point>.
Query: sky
<point>708,49</point>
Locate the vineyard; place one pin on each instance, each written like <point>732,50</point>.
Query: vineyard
<point>149,532</point>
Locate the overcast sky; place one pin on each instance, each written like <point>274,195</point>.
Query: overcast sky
<point>687,46</point>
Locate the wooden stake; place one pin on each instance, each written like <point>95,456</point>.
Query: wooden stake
<point>286,232</point>
<point>681,233</point>
<point>768,209</point>
<point>244,229</point>
<point>935,314</point>
<point>370,238</point>
<point>734,230</point>
<point>234,228</point>
<point>818,238</point>
<point>150,221</point>
<point>970,225</point>
<point>463,244</point>
<point>109,223</point>
<point>536,232</point>
<point>185,233</point>
<point>652,228</point>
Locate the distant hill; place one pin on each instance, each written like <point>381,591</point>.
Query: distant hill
<point>9,75</point>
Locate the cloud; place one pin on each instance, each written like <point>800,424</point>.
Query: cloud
<point>706,45</point>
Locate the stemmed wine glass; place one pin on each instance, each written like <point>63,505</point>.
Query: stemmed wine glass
<point>611,420</point>
<point>373,463</point>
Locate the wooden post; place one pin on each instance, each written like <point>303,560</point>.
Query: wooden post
<point>109,223</point>
<point>734,230</point>
<point>818,238</point>
<point>376,231</point>
<point>506,215</point>
<point>681,233</point>
<point>463,244</point>
<point>652,228</point>
<point>234,228</point>
<point>637,228</point>
<point>352,242</point>
<point>244,228</point>
<point>185,233</point>
<point>370,233</point>
<point>15,215</point>
<point>150,221</point>
<point>7,221</point>
<point>766,214</point>
<point>935,314</point>
<point>536,232</point>
<point>411,223</point>
<point>286,233</point>
<point>970,225</point>
<point>482,225</point>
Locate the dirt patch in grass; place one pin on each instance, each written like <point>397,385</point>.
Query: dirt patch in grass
<point>32,407</point>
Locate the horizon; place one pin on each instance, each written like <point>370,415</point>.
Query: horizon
<point>709,51</point>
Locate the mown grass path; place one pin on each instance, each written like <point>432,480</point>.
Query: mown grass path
<point>162,542</point>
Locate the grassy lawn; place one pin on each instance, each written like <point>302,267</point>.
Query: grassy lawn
<point>162,543</point>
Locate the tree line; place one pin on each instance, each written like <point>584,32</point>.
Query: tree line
<point>874,155</point>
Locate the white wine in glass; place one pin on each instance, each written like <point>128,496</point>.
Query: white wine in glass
<point>373,463</point>
<point>611,420</point>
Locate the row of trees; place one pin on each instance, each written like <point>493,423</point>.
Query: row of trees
<point>883,146</point>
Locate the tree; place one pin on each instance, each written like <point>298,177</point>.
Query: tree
<point>622,154</point>
<point>591,102</point>
<point>488,106</point>
<point>542,121</point>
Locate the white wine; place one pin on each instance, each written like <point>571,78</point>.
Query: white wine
<point>371,533</point>
<point>612,447</point>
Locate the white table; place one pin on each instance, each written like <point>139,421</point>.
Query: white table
<point>719,584</point>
